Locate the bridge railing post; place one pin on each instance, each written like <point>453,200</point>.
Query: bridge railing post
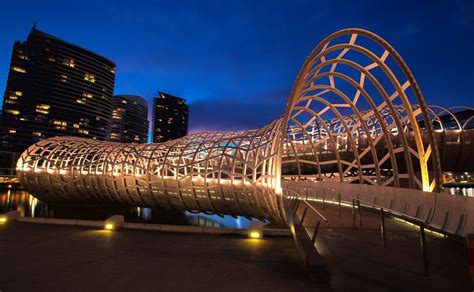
<point>296,206</point>
<point>423,250</point>
<point>353,213</point>
<point>313,240</point>
<point>339,203</point>
<point>304,215</point>
<point>324,197</point>
<point>359,212</point>
<point>382,227</point>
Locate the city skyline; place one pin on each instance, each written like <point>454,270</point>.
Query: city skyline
<point>202,53</point>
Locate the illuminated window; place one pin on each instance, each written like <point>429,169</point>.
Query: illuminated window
<point>69,62</point>
<point>87,94</point>
<point>18,93</point>
<point>12,131</point>
<point>10,101</point>
<point>63,78</point>
<point>42,108</point>
<point>37,134</point>
<point>83,131</point>
<point>18,69</point>
<point>76,126</point>
<point>23,57</point>
<point>51,59</point>
<point>13,97</point>
<point>89,77</point>
<point>80,101</point>
<point>63,123</point>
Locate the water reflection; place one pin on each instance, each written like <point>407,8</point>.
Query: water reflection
<point>29,206</point>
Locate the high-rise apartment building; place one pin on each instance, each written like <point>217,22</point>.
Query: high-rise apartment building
<point>129,119</point>
<point>55,88</point>
<point>170,117</point>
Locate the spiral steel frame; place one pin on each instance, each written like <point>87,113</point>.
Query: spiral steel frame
<point>351,101</point>
<point>350,71</point>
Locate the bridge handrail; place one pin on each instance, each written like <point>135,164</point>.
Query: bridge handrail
<point>416,221</point>
<point>308,253</point>
<point>302,199</point>
<point>411,219</point>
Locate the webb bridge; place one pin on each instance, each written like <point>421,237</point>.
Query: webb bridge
<point>356,131</point>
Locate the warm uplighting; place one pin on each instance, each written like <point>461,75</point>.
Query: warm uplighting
<point>109,226</point>
<point>255,234</point>
<point>3,219</point>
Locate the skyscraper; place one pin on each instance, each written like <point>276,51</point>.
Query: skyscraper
<point>55,88</point>
<point>170,117</point>
<point>129,119</point>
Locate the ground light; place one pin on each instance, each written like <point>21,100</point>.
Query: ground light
<point>10,216</point>
<point>255,234</point>
<point>256,229</point>
<point>114,222</point>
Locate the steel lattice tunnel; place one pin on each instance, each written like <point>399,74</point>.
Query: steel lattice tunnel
<point>355,114</point>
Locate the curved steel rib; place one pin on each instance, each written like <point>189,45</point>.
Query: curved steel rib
<point>355,114</point>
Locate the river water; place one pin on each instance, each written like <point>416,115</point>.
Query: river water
<point>29,206</point>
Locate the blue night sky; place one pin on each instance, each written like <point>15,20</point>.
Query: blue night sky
<point>235,61</point>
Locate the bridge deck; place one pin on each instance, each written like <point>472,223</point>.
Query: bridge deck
<point>356,258</point>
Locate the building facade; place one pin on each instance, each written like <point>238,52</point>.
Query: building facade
<point>170,117</point>
<point>129,119</point>
<point>55,88</point>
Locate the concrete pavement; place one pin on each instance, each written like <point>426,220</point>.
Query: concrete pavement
<point>36,257</point>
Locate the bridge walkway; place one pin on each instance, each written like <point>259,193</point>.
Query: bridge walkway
<point>357,260</point>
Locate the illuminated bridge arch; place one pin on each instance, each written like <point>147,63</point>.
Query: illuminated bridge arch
<point>355,114</point>
<point>351,113</point>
